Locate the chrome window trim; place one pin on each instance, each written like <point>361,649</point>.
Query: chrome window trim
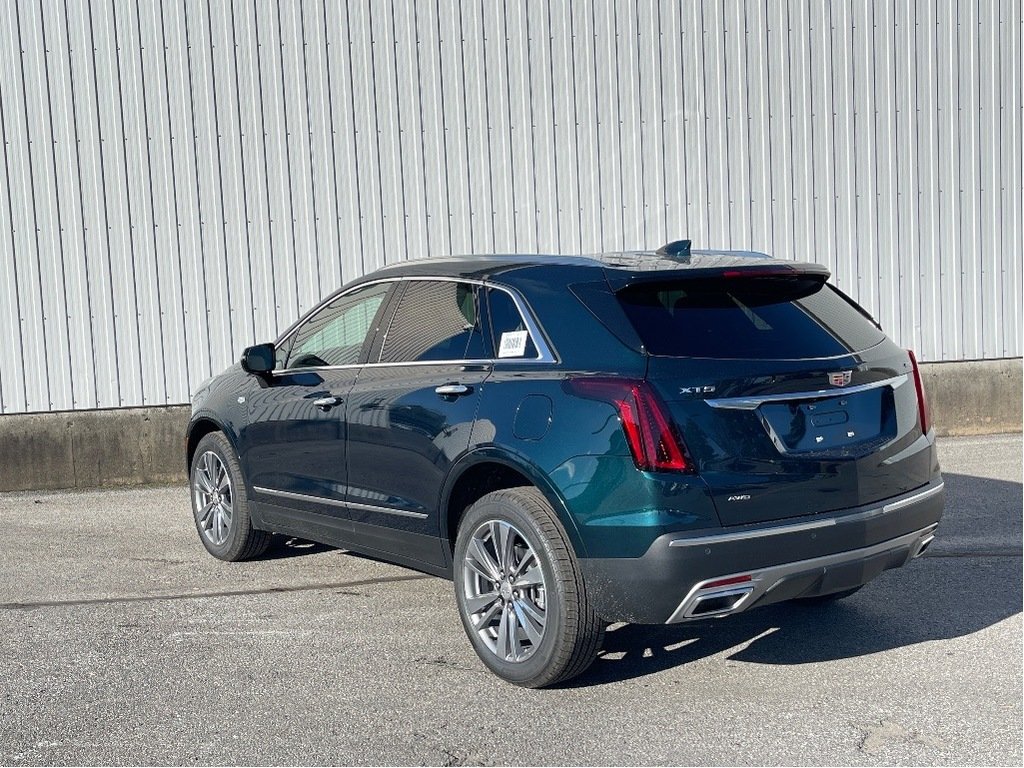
<point>750,403</point>
<point>540,341</point>
<point>339,503</point>
<point>778,530</point>
<point>308,317</point>
<point>545,355</point>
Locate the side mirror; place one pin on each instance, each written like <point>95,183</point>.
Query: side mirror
<point>259,358</point>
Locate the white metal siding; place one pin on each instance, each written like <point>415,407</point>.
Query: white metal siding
<point>181,179</point>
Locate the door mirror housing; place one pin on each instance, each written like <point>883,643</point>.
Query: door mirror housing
<point>259,358</point>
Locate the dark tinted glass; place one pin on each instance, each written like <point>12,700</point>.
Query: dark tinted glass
<point>763,318</point>
<point>435,320</point>
<point>505,319</point>
<point>335,334</point>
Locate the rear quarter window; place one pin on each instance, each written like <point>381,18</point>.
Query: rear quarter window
<point>758,318</point>
<point>505,320</point>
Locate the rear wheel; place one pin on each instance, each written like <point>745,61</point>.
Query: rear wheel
<point>520,591</point>
<point>220,504</point>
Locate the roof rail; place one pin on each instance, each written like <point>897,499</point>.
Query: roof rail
<point>675,248</point>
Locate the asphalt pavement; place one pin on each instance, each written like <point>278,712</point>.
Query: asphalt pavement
<point>122,641</point>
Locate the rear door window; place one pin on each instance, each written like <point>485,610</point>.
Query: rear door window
<point>435,320</point>
<point>758,318</point>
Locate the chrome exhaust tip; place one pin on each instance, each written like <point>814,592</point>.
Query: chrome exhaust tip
<point>922,546</point>
<point>718,603</point>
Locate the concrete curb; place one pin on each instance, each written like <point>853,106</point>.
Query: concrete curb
<point>131,446</point>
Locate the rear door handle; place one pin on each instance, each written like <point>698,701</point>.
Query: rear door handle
<point>326,403</point>
<point>453,390</point>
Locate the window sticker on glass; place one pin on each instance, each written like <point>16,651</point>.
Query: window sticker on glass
<point>513,344</point>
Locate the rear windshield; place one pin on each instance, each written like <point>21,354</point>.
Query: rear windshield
<point>758,318</point>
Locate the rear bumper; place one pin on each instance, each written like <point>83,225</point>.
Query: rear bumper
<point>802,578</point>
<point>800,558</point>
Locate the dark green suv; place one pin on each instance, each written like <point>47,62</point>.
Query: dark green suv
<point>645,437</point>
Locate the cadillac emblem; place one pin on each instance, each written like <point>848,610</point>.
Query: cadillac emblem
<point>840,378</point>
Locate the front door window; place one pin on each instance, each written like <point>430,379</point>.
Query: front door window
<point>335,335</point>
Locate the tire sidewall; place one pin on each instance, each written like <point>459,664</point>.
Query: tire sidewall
<point>538,664</point>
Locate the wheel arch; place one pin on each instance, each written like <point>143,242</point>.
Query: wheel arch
<point>463,486</point>
<point>199,427</point>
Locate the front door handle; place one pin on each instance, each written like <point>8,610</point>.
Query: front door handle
<point>326,403</point>
<point>453,390</point>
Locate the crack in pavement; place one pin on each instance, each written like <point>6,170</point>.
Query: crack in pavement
<point>341,585</point>
<point>1005,553</point>
<point>21,606</point>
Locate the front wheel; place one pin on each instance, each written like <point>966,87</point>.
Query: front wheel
<point>220,504</point>
<point>520,591</point>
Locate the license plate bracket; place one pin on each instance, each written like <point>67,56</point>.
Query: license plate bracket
<point>834,423</point>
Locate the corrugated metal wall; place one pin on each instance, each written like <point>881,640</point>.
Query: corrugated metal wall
<point>183,178</point>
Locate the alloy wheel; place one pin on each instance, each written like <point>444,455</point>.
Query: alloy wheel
<point>214,498</point>
<point>505,591</point>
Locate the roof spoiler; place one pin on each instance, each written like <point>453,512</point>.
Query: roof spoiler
<point>619,279</point>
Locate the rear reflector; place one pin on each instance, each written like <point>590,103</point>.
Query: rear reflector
<point>923,409</point>
<point>727,582</point>
<point>652,437</point>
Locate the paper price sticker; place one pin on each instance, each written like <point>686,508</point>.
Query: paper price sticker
<point>513,344</point>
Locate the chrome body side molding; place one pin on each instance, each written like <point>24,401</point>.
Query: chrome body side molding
<point>339,503</point>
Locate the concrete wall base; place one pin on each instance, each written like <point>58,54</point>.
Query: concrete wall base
<point>83,449</point>
<point>978,397</point>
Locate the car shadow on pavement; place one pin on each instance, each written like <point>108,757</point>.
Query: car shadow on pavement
<point>970,579</point>
<point>282,547</point>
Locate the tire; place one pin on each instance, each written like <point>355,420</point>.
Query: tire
<point>826,599</point>
<point>220,503</point>
<point>555,634</point>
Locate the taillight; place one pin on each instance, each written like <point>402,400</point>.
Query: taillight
<point>923,410</point>
<point>650,434</point>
